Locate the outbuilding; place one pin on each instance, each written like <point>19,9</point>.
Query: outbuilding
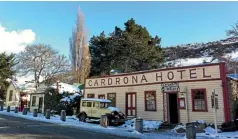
<point>174,95</point>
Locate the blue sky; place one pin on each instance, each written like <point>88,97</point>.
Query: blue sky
<point>174,22</point>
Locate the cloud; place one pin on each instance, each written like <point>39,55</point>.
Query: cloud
<point>15,41</point>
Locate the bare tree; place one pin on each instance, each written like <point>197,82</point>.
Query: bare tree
<point>79,51</point>
<point>42,61</point>
<point>233,31</point>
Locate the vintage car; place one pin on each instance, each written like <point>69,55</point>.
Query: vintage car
<point>93,108</point>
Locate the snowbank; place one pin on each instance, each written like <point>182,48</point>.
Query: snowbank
<point>63,87</point>
<point>147,125</point>
<point>199,121</point>
<point>72,121</point>
<point>211,130</point>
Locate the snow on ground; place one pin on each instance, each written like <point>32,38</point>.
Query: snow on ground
<point>147,125</point>
<point>198,61</point>
<point>233,55</point>
<point>64,87</point>
<point>72,121</point>
<point>190,61</point>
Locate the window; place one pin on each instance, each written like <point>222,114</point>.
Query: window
<point>96,104</point>
<point>90,96</point>
<point>10,95</point>
<point>199,100</point>
<point>112,97</point>
<point>33,101</point>
<point>89,104</point>
<point>84,104</point>
<point>102,96</point>
<point>150,100</point>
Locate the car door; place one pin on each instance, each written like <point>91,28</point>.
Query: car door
<point>95,109</point>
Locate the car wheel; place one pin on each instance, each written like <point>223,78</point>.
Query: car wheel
<point>82,117</point>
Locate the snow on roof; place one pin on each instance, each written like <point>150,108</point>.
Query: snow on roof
<point>70,98</point>
<point>64,87</point>
<point>96,99</point>
<point>232,76</point>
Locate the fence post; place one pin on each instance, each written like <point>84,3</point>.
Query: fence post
<point>1,107</point>
<point>8,108</point>
<point>16,109</point>
<point>24,111</point>
<point>63,115</point>
<point>139,125</point>
<point>104,122</point>
<point>47,114</point>
<point>190,131</point>
<point>35,113</point>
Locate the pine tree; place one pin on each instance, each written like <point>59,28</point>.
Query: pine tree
<point>7,63</point>
<point>132,49</point>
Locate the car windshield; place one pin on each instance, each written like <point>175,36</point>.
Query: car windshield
<point>104,104</point>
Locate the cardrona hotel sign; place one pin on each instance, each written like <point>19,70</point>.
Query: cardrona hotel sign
<point>162,76</point>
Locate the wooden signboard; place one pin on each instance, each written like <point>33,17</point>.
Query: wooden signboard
<point>170,87</point>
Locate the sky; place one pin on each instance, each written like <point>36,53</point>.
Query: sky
<point>23,23</point>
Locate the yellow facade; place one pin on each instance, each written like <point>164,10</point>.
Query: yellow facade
<point>207,77</point>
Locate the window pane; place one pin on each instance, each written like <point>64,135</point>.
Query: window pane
<point>150,101</point>
<point>199,100</point>
<point>112,97</point>
<point>84,104</point>
<point>89,104</point>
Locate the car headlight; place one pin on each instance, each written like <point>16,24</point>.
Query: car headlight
<point>112,113</point>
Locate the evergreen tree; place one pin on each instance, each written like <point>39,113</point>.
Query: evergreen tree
<point>7,63</point>
<point>132,49</point>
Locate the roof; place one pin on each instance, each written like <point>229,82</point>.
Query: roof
<point>96,99</point>
<point>232,76</point>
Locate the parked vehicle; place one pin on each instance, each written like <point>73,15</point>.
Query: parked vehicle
<point>93,108</point>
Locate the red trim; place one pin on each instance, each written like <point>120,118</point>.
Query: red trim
<point>101,96</point>
<point>183,99</point>
<point>115,97</point>
<point>156,70</point>
<point>164,106</point>
<point>131,108</point>
<point>225,92</point>
<point>205,97</point>
<point>154,93</point>
<point>156,83</point>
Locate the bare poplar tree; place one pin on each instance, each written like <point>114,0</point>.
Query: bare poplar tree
<point>79,51</point>
<point>41,61</point>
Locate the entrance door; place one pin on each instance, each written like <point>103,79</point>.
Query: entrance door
<point>131,104</point>
<point>40,104</point>
<point>173,108</point>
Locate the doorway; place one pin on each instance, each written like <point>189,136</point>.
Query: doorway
<point>131,104</point>
<point>173,108</point>
<point>40,104</point>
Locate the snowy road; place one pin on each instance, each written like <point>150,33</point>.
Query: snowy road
<point>19,128</point>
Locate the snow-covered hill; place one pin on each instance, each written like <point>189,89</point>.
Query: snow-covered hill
<point>199,53</point>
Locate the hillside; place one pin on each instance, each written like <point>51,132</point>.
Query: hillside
<point>198,53</point>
